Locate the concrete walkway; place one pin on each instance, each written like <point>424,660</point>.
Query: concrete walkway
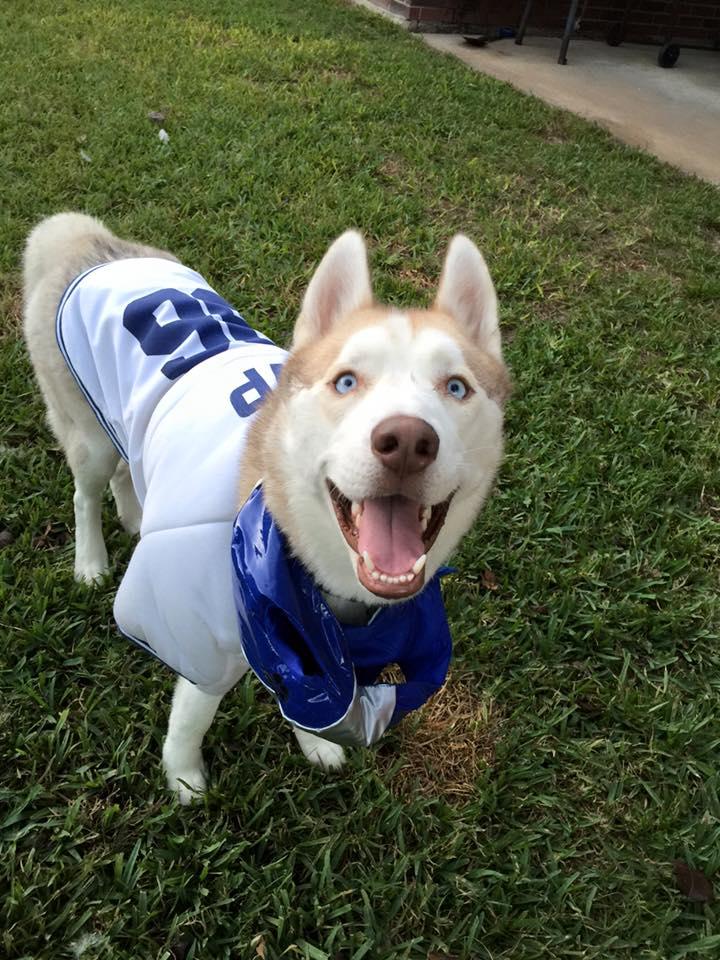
<point>673,113</point>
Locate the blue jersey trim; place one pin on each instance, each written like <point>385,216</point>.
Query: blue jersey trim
<point>63,350</point>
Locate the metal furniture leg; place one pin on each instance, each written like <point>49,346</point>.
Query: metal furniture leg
<point>520,36</point>
<point>569,30</point>
<point>616,31</point>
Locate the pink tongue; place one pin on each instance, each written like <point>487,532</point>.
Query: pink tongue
<point>389,529</point>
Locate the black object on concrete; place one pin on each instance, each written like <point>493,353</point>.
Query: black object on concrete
<point>570,22</point>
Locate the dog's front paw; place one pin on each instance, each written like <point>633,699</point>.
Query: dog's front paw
<point>187,786</point>
<point>91,571</point>
<point>323,753</point>
<point>185,775</point>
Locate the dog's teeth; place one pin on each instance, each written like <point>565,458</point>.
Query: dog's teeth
<point>423,524</point>
<point>367,560</point>
<point>426,513</point>
<point>419,564</point>
<point>387,578</point>
<point>400,578</point>
<point>356,509</point>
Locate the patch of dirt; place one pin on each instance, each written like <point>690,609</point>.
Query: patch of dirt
<point>441,749</point>
<point>710,505</point>
<point>452,216</point>
<point>337,73</point>
<point>551,309</point>
<point>392,168</point>
<point>555,131</point>
<point>417,278</point>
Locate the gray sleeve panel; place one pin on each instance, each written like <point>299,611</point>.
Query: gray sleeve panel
<point>367,718</point>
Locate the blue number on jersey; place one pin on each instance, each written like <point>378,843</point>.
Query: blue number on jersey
<point>255,383</point>
<point>200,313</point>
<point>158,339</point>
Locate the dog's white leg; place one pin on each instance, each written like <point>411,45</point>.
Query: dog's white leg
<point>91,560</point>
<point>323,753</point>
<point>190,718</point>
<point>128,508</point>
<point>92,459</point>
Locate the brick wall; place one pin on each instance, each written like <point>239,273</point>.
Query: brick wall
<point>653,20</point>
<point>430,14</point>
<point>648,20</point>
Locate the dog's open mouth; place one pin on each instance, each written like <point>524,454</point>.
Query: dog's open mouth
<point>391,537</point>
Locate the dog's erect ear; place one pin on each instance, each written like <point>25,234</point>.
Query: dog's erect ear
<point>467,293</point>
<point>340,285</point>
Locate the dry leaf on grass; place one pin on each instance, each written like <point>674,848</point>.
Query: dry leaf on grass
<point>489,580</point>
<point>693,883</point>
<point>54,535</point>
<point>179,949</point>
<point>441,749</point>
<point>6,538</point>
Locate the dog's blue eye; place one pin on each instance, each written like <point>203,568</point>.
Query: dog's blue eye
<point>346,382</point>
<point>457,388</point>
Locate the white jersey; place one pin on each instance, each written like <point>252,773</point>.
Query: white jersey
<point>174,375</point>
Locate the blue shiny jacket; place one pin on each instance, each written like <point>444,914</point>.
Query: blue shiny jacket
<point>323,673</point>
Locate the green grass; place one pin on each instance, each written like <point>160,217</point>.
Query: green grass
<point>289,121</point>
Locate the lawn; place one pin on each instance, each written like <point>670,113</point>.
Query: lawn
<point>585,606</point>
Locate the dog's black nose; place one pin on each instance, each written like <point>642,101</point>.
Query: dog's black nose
<point>404,444</point>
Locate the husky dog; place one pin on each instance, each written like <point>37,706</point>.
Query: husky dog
<point>294,510</point>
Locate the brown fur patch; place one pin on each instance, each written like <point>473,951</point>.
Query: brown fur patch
<point>491,374</point>
<point>258,461</point>
<point>310,363</point>
<point>440,750</point>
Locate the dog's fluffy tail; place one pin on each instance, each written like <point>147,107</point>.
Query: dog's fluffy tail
<point>48,244</point>
<point>62,246</point>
